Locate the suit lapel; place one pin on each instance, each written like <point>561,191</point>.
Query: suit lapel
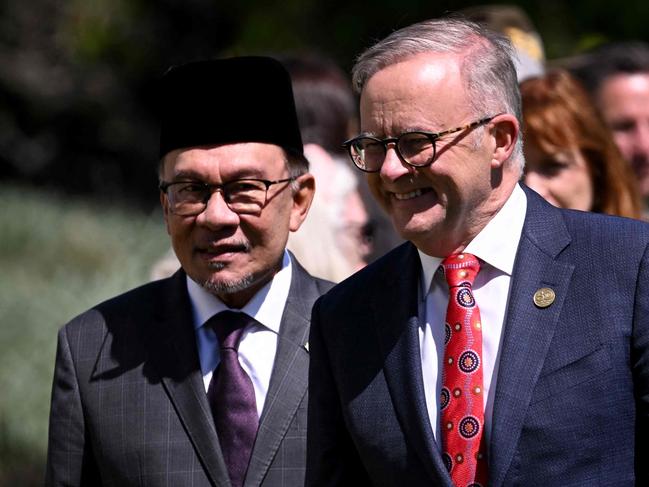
<point>174,355</point>
<point>396,313</point>
<point>528,329</point>
<point>288,382</point>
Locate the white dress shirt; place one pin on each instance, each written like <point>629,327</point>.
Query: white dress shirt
<point>258,343</point>
<point>496,247</point>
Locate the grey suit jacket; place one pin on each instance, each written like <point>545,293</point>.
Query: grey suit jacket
<point>571,404</point>
<point>129,405</point>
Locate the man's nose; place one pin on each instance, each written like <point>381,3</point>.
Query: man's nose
<point>393,167</point>
<point>217,213</point>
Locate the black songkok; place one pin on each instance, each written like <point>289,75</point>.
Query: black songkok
<point>226,101</point>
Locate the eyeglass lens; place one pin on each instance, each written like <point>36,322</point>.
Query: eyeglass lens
<point>241,196</point>
<point>414,148</point>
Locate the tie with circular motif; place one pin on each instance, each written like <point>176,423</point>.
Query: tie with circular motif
<point>461,402</point>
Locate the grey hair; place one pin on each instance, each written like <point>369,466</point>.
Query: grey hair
<point>297,164</point>
<point>487,63</point>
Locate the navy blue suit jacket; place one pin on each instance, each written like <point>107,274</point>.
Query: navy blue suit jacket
<point>571,404</point>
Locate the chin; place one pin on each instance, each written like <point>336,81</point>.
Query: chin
<point>415,233</point>
<point>219,285</point>
<point>417,224</point>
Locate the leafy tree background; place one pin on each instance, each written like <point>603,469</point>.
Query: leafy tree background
<point>77,78</point>
<point>78,124</point>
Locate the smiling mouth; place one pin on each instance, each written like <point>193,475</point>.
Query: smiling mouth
<point>411,194</point>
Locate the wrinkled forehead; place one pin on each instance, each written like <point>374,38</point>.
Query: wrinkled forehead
<point>416,69</point>
<point>420,92</point>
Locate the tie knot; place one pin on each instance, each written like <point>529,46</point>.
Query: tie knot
<point>460,269</point>
<point>228,326</point>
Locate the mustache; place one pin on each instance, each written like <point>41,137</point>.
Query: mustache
<point>235,244</point>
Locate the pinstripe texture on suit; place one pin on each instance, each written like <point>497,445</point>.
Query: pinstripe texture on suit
<point>129,407</point>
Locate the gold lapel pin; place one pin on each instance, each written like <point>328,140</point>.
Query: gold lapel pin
<point>544,297</point>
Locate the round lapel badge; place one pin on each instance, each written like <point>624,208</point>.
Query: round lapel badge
<point>544,297</point>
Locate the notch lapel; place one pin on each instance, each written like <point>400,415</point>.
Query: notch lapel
<point>528,329</point>
<point>174,355</point>
<point>289,379</point>
<point>396,313</point>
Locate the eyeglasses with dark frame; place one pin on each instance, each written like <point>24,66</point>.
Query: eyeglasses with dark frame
<point>243,196</point>
<point>416,148</point>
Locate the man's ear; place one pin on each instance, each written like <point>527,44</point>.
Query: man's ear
<point>504,129</point>
<point>302,199</point>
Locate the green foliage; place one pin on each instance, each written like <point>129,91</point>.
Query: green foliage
<point>77,88</point>
<point>58,258</point>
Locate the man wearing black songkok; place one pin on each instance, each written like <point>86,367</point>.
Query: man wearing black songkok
<point>201,379</point>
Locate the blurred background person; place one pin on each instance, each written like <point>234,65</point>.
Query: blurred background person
<point>617,77</point>
<point>334,243</point>
<point>512,21</point>
<point>345,229</point>
<point>571,159</point>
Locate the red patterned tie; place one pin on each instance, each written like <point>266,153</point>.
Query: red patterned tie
<point>461,402</point>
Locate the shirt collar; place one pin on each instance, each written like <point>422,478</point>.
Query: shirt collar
<point>496,244</point>
<point>266,306</point>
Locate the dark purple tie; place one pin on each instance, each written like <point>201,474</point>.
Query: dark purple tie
<point>232,396</point>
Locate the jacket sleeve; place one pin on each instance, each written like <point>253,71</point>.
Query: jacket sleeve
<point>70,461</point>
<point>332,459</point>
